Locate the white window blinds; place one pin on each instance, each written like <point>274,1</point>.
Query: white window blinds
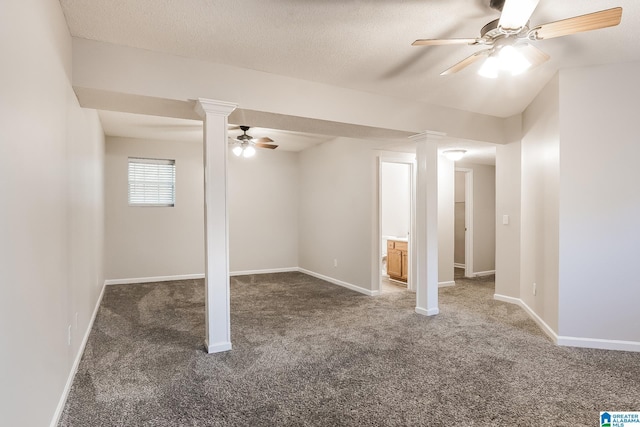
<point>152,182</point>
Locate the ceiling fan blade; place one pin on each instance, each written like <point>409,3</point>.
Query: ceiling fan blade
<point>534,55</point>
<point>263,140</point>
<point>442,42</point>
<point>263,145</point>
<point>577,24</point>
<point>233,128</point>
<point>516,14</point>
<point>466,62</point>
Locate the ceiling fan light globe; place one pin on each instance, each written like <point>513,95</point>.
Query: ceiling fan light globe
<point>489,68</point>
<point>249,152</point>
<point>513,61</point>
<point>237,150</point>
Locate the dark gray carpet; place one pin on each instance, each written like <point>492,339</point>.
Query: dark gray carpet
<point>308,353</point>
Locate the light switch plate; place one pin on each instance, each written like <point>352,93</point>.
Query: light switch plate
<point>505,219</point>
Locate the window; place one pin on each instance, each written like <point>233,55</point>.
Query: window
<point>152,182</point>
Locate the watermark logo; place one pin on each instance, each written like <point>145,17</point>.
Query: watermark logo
<point>619,419</point>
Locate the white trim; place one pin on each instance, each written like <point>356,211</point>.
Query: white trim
<point>72,374</point>
<point>510,300</point>
<point>571,341</point>
<point>483,273</point>
<point>430,312</point>
<point>599,343</point>
<point>218,347</point>
<point>446,284</point>
<point>340,283</point>
<point>137,280</point>
<point>266,271</point>
<point>541,323</point>
<point>457,265</point>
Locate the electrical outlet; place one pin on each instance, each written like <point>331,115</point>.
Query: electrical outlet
<point>69,335</point>
<point>535,288</point>
<point>335,262</point>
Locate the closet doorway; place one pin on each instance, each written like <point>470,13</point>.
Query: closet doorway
<point>463,225</point>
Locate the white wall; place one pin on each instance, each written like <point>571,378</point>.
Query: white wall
<point>263,211</point>
<point>599,202</point>
<point>484,215</point>
<point>51,218</point>
<point>144,242</point>
<point>539,215</point>
<point>337,186</point>
<point>508,172</point>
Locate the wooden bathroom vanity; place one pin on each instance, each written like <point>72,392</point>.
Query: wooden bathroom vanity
<point>397,261</point>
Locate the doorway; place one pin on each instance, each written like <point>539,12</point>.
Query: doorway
<point>463,225</point>
<point>396,204</point>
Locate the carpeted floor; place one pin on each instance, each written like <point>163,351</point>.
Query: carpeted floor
<point>308,353</point>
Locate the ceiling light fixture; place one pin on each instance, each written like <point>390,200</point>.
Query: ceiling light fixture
<point>505,57</point>
<point>454,155</point>
<point>244,149</point>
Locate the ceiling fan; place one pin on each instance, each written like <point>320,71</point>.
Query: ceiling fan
<point>244,145</point>
<point>509,37</point>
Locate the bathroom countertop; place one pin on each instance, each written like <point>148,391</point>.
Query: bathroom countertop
<point>398,239</point>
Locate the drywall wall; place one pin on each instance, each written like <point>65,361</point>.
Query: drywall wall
<point>508,172</point>
<point>145,242</point>
<point>599,203</point>
<point>539,207</point>
<point>51,217</point>
<point>395,185</point>
<point>484,214</point>
<point>337,183</point>
<point>459,218</point>
<point>263,211</point>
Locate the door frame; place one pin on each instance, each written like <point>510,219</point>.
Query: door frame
<point>468,220</point>
<point>412,259</point>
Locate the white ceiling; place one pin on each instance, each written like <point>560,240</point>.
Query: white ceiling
<point>361,45</point>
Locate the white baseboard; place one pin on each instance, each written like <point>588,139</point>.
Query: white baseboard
<point>510,300</point>
<point>153,279</point>
<point>429,312</point>
<point>541,323</point>
<point>267,271</point>
<point>483,273</point>
<point>340,283</point>
<point>446,284</point>
<point>217,347</point>
<point>599,343</point>
<point>76,362</point>
<point>456,265</point>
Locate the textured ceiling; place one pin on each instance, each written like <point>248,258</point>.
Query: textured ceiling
<point>362,45</point>
<point>355,44</point>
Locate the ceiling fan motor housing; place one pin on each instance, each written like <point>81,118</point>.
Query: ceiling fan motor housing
<point>497,5</point>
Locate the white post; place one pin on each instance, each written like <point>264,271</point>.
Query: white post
<point>427,223</point>
<point>216,271</point>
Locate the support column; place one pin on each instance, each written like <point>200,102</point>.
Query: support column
<point>216,241</point>
<point>427,223</point>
